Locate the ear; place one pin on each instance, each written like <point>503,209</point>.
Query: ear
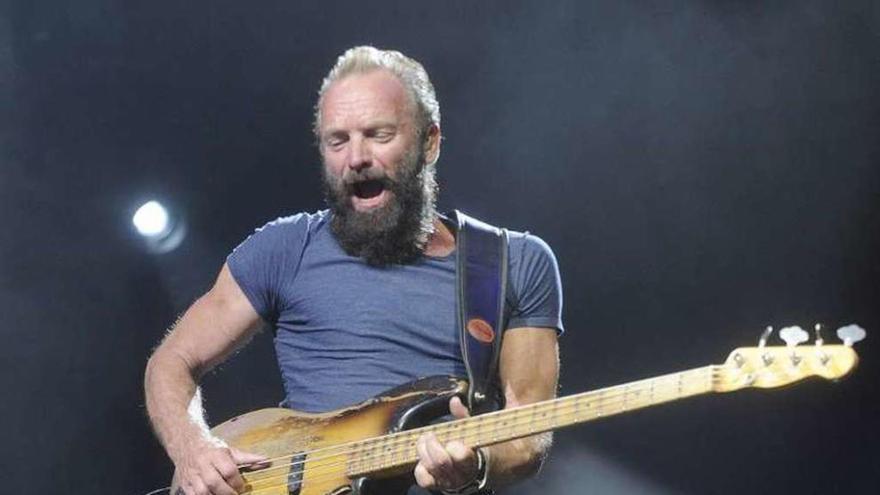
<point>432,144</point>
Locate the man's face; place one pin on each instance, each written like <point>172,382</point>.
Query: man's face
<point>376,181</point>
<point>367,130</point>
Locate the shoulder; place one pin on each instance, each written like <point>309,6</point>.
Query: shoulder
<point>292,228</point>
<point>270,257</point>
<point>526,247</point>
<point>520,244</point>
<point>532,265</point>
<point>301,221</point>
<point>535,290</point>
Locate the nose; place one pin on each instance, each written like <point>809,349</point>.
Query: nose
<point>360,156</point>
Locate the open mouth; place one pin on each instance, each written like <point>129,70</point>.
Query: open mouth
<point>368,189</point>
<point>368,194</point>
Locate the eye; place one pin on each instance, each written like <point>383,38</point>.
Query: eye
<point>382,135</point>
<point>334,141</point>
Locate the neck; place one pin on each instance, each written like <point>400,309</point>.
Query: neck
<point>398,449</point>
<point>441,242</point>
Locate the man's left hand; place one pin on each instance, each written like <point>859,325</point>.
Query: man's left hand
<point>445,467</point>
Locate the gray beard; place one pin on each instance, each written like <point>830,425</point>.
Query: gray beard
<point>396,232</point>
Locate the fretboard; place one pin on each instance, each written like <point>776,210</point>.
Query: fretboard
<point>399,449</point>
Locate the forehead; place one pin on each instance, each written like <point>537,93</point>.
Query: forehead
<point>357,99</point>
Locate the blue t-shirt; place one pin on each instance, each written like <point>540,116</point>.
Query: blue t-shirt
<point>346,331</point>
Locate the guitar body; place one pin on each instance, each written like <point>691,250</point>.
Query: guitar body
<point>363,448</point>
<point>285,436</point>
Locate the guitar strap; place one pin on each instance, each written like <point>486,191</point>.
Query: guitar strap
<point>481,276</point>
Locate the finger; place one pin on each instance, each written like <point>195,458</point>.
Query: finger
<point>227,469</point>
<point>422,450</point>
<point>197,479</point>
<point>216,484</point>
<point>460,454</point>
<point>442,462</point>
<point>464,463</point>
<point>457,408</point>
<point>241,457</point>
<point>433,457</point>
<point>423,477</point>
<point>196,487</point>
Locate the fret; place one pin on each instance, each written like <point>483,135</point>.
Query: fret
<point>555,414</point>
<point>332,450</point>
<point>454,432</point>
<point>479,431</point>
<point>534,409</point>
<point>399,449</point>
<point>442,432</point>
<point>387,450</point>
<point>496,431</point>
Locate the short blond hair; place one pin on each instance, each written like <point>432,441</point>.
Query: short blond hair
<point>364,59</point>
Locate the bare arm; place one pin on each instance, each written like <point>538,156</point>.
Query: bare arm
<point>529,371</point>
<point>211,329</point>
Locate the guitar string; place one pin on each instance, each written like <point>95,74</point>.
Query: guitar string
<point>476,430</point>
<point>326,476</point>
<point>571,401</point>
<point>397,440</point>
<point>606,392</point>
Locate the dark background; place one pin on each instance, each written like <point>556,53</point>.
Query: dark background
<point>702,169</point>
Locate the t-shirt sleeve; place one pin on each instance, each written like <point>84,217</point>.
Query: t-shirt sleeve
<point>266,259</point>
<point>535,283</point>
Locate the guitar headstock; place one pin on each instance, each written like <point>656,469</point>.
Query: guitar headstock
<point>776,366</point>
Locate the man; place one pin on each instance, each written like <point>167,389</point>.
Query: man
<point>361,296</point>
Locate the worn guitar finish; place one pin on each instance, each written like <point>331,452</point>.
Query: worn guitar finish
<point>338,452</point>
<point>316,453</point>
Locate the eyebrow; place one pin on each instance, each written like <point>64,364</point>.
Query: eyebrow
<point>381,124</point>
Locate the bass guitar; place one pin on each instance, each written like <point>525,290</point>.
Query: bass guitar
<point>339,451</point>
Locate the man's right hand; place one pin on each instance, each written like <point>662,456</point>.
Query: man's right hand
<point>209,469</point>
<point>215,326</point>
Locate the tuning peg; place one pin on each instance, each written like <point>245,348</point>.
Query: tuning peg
<point>850,334</point>
<point>764,336</point>
<point>819,340</point>
<point>793,335</point>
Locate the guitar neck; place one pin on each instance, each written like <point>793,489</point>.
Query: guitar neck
<point>398,450</point>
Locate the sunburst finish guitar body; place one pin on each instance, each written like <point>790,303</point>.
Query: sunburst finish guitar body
<point>317,454</point>
<point>347,450</point>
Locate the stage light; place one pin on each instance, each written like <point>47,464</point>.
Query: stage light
<point>161,230</point>
<point>151,219</point>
